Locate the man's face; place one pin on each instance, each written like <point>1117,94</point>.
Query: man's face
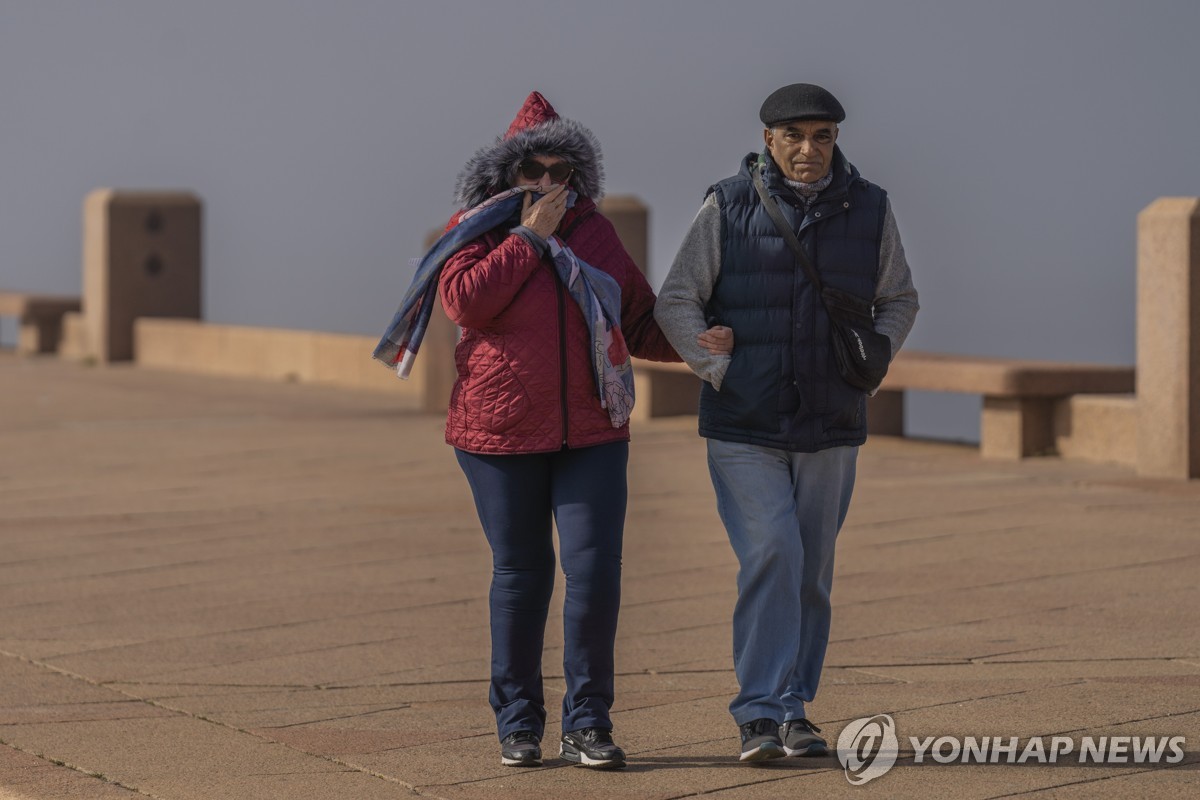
<point>802,149</point>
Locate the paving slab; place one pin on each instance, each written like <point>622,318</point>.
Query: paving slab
<point>222,588</point>
<point>28,777</point>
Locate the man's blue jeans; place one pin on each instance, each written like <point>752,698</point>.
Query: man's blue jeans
<point>782,512</point>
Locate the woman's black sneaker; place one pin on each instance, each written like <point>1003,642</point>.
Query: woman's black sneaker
<point>592,747</point>
<point>521,749</point>
<point>760,740</point>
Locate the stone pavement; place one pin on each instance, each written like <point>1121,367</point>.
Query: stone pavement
<point>226,589</point>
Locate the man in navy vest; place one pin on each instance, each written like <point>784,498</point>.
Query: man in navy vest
<point>783,427</point>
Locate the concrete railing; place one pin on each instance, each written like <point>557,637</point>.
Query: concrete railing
<point>1027,405</point>
<point>39,318</point>
<point>329,359</point>
<point>142,264</point>
<point>1020,397</point>
<point>1083,411</point>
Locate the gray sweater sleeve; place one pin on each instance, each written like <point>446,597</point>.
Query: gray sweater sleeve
<point>684,295</point>
<point>895,296</point>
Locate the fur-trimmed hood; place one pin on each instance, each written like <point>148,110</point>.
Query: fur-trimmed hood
<point>489,169</point>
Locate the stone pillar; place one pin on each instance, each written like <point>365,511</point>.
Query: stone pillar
<point>630,217</point>
<point>436,361</point>
<point>664,390</point>
<point>1168,338</point>
<point>141,258</point>
<point>39,336</point>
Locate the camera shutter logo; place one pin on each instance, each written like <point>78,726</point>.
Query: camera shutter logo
<point>867,748</point>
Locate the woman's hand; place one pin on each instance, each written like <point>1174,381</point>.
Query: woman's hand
<point>717,340</point>
<point>543,216</point>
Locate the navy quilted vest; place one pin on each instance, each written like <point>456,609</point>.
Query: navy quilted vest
<point>782,388</point>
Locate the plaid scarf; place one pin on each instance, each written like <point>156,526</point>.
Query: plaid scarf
<point>596,292</point>
<point>807,192</point>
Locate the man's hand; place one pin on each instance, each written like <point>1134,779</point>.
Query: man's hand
<point>717,340</point>
<point>543,216</point>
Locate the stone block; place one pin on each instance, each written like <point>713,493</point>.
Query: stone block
<point>630,217</point>
<point>1168,338</point>
<point>433,376</point>
<point>1013,428</point>
<point>39,319</point>
<point>435,364</point>
<point>141,258</point>
<point>38,336</point>
<point>1097,428</point>
<point>73,344</point>
<point>664,390</point>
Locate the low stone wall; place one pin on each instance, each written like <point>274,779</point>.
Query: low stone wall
<point>142,261</point>
<point>185,345</point>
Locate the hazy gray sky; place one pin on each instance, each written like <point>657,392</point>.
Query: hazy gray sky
<point>1018,140</point>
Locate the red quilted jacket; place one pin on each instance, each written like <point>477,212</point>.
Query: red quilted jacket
<point>525,380</point>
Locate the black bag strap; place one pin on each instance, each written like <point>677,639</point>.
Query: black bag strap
<point>785,230</point>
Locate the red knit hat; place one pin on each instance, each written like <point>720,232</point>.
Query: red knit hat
<point>536,110</point>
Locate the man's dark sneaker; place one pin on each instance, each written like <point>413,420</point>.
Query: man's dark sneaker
<point>760,740</point>
<point>592,747</point>
<point>521,749</point>
<point>800,738</point>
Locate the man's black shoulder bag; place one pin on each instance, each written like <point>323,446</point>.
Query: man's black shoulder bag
<point>863,355</point>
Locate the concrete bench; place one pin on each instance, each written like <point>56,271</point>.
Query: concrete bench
<point>40,319</point>
<point>1019,396</point>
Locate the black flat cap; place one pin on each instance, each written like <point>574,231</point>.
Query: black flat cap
<point>800,101</point>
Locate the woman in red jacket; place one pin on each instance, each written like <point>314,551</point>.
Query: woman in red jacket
<point>539,430</point>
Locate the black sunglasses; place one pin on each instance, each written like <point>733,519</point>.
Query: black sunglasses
<point>534,170</point>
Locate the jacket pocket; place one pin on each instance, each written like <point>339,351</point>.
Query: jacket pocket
<point>749,394</point>
<point>488,395</point>
<point>847,406</point>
